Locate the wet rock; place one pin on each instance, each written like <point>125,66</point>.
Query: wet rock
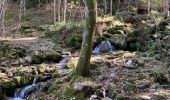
<point>41,68</point>
<point>34,71</point>
<point>43,78</point>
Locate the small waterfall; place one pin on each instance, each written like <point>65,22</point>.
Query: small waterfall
<point>104,47</point>
<point>24,92</point>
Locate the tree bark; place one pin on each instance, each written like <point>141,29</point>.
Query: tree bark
<point>111,7</point>
<point>149,6</point>
<point>54,11</point>
<point>2,15</point>
<point>83,68</point>
<point>59,8</point>
<point>65,10</point>
<point>105,6</point>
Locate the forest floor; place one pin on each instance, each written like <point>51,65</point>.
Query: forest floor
<point>138,69</point>
<point>116,75</point>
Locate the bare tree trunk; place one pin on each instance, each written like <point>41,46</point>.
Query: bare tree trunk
<point>65,10</point>
<point>59,8</point>
<point>2,15</point>
<point>118,9</point>
<point>149,6</point>
<point>83,68</point>
<point>105,6</point>
<point>20,13</point>
<point>168,15</point>
<point>96,8</point>
<point>24,7</point>
<point>111,7</point>
<point>54,11</point>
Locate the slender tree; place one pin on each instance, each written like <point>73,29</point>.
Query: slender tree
<point>65,10</point>
<point>149,6</point>
<point>111,7</point>
<point>83,68</point>
<point>2,14</point>
<point>59,8</point>
<point>54,10</point>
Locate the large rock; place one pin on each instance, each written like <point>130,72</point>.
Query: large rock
<point>119,40</point>
<point>52,56</point>
<point>46,56</point>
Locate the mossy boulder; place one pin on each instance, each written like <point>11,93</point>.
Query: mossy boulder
<point>41,68</point>
<point>46,56</point>
<point>22,79</point>
<point>37,59</point>
<point>52,56</point>
<point>119,41</point>
<point>72,63</point>
<point>17,79</point>
<point>7,83</point>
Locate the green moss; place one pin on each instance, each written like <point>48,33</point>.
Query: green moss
<point>17,79</point>
<point>41,68</point>
<point>51,56</point>
<point>37,59</point>
<point>72,63</point>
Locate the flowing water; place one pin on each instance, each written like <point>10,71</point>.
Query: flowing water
<point>103,47</point>
<point>22,93</point>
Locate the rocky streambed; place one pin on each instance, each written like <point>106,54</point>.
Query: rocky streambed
<point>114,75</point>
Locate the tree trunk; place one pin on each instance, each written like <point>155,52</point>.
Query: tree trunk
<point>96,8</point>
<point>2,15</point>
<point>105,6</point>
<point>149,6</point>
<point>54,11</point>
<point>65,10</point>
<point>59,8</point>
<point>83,68</point>
<point>118,8</point>
<point>111,7</point>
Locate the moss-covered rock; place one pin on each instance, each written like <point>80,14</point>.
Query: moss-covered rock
<point>17,80</point>
<point>37,59</point>
<point>52,56</point>
<point>22,79</point>
<point>119,40</point>
<point>41,68</point>
<point>6,83</point>
<point>46,56</point>
<point>72,63</point>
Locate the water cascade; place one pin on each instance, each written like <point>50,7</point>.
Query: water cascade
<point>22,93</point>
<point>103,47</point>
